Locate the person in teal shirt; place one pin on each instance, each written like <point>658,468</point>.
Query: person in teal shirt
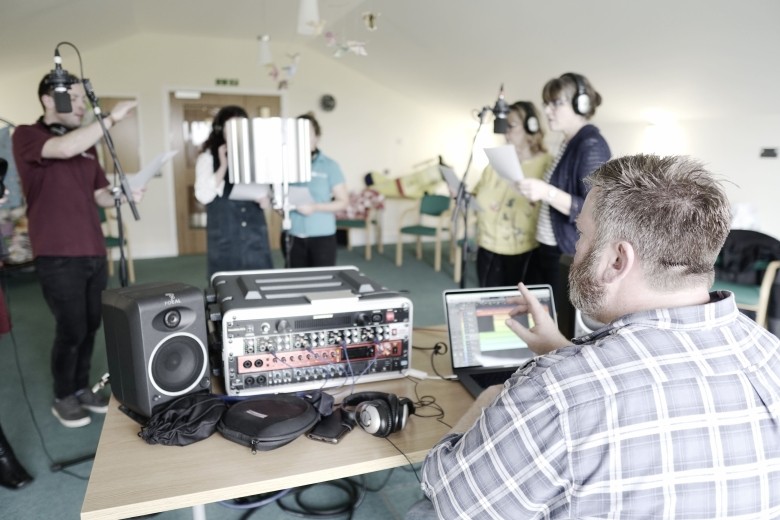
<point>312,236</point>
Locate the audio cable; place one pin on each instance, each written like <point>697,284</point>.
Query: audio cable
<point>438,349</point>
<point>53,465</point>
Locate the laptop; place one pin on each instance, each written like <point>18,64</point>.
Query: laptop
<point>484,350</point>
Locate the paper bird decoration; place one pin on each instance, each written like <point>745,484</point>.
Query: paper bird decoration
<point>370,19</point>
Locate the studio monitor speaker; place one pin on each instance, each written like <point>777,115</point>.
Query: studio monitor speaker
<point>156,343</point>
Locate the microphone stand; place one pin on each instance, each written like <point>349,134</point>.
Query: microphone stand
<point>120,187</point>
<point>463,201</point>
<point>283,204</point>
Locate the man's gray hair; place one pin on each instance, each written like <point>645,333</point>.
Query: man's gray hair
<point>670,209</point>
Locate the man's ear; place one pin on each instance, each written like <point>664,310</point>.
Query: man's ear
<point>48,101</point>
<point>619,262</point>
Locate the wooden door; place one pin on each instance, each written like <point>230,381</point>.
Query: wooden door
<point>190,123</point>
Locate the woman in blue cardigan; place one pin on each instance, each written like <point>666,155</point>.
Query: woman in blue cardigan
<point>570,102</point>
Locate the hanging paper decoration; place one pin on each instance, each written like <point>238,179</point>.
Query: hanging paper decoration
<point>370,19</point>
<point>340,48</point>
<point>309,18</point>
<point>282,77</point>
<point>264,55</point>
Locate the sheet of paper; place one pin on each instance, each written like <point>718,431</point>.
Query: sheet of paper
<point>248,192</point>
<point>299,196</point>
<point>453,183</point>
<point>140,179</point>
<point>504,160</point>
<point>451,178</point>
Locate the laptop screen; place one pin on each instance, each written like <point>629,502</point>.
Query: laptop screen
<point>476,321</point>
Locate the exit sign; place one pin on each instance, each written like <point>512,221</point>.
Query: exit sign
<point>230,82</point>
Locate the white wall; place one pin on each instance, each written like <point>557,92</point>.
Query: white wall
<point>730,148</point>
<point>373,128</point>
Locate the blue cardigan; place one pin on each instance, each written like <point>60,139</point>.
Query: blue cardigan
<point>586,151</point>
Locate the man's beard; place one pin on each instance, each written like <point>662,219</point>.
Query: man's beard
<point>585,291</point>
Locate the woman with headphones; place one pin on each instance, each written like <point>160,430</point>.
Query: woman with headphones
<point>570,102</point>
<point>506,222</point>
<point>236,230</point>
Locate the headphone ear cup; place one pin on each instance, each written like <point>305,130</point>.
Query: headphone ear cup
<point>395,419</point>
<point>532,125</point>
<point>374,417</point>
<point>405,409</point>
<point>582,105</point>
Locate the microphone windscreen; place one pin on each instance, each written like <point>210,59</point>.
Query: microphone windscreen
<point>500,125</point>
<point>62,102</point>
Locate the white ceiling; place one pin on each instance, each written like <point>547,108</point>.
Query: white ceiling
<point>693,58</point>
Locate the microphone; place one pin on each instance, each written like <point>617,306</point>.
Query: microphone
<point>500,111</point>
<point>60,80</point>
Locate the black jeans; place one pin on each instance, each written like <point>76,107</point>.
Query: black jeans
<point>72,288</point>
<point>312,252</point>
<point>496,270</point>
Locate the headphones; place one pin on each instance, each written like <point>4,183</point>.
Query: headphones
<point>377,413</point>
<point>530,121</point>
<point>581,101</point>
<point>55,128</point>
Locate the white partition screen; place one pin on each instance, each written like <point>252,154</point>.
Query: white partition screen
<point>268,150</point>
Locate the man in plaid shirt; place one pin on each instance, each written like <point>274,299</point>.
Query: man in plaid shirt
<point>670,411</point>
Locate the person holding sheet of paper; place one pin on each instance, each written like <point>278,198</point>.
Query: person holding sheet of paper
<point>570,101</point>
<point>312,237</point>
<point>506,221</point>
<point>236,230</point>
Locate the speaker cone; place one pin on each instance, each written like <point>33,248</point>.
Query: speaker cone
<point>177,364</point>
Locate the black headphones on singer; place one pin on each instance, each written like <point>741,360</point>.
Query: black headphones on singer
<point>530,121</point>
<point>55,128</point>
<point>581,101</point>
<point>377,413</point>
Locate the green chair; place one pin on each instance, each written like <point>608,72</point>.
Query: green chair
<point>109,223</point>
<point>747,266</point>
<point>371,223</point>
<point>432,220</point>
<point>753,297</point>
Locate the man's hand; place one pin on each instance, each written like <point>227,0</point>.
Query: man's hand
<point>138,194</point>
<point>544,336</point>
<point>121,110</point>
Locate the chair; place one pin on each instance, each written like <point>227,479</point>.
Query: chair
<point>371,223</point>
<point>432,208</point>
<point>747,266</point>
<point>109,223</point>
<point>363,212</point>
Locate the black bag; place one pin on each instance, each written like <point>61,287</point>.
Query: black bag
<point>185,420</point>
<point>267,422</point>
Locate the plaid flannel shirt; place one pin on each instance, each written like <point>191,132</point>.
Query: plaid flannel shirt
<point>671,413</point>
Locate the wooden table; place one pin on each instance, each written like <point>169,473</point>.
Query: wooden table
<point>131,478</point>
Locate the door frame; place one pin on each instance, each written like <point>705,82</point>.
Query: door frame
<point>168,93</point>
